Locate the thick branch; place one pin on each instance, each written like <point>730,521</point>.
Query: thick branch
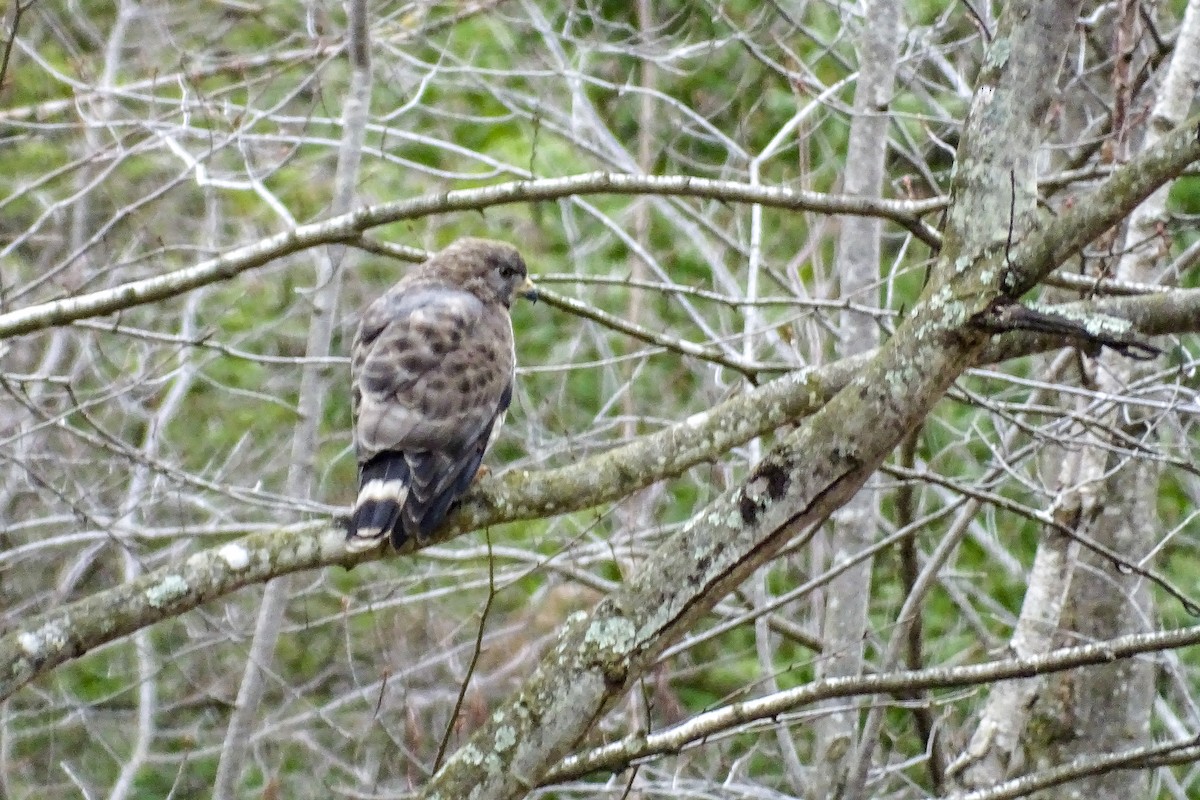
<point>48,640</point>
<point>1053,242</point>
<point>812,472</point>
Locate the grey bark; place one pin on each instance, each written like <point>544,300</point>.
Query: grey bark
<point>313,388</point>
<point>1107,708</point>
<point>818,467</point>
<point>41,643</point>
<point>858,268</point>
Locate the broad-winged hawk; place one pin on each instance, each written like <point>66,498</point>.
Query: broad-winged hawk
<point>432,371</point>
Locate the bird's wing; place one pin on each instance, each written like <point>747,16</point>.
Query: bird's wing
<point>429,368</point>
<point>432,375</point>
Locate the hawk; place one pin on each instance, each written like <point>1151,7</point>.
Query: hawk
<point>431,371</point>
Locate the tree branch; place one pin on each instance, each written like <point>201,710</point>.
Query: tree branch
<point>623,753</point>
<point>811,472</point>
<point>43,642</point>
<point>346,228</point>
<point>752,370</point>
<point>1056,240</point>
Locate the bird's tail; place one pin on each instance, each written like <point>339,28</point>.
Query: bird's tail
<point>382,492</point>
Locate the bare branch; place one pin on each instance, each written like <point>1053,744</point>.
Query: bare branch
<point>346,228</point>
<point>42,643</point>
<point>703,727</point>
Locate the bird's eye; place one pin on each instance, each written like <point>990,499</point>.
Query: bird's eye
<point>508,271</point>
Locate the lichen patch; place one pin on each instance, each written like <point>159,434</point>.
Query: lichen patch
<point>166,591</point>
<point>235,555</point>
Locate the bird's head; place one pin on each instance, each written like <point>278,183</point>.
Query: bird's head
<point>492,271</point>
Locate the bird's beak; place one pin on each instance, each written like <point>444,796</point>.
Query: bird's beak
<point>528,290</point>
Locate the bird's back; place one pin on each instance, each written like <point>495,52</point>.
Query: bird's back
<point>431,368</point>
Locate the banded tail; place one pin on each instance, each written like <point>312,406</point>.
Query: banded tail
<point>408,495</point>
<point>382,492</point>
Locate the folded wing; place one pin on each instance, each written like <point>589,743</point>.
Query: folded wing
<point>432,371</point>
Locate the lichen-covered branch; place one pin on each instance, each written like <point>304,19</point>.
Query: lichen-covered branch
<point>43,642</point>
<point>806,477</point>
<point>1055,240</point>
<point>50,639</point>
<point>810,473</point>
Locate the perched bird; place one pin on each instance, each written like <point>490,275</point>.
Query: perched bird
<point>432,374</point>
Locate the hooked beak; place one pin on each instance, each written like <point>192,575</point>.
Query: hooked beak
<point>528,290</point>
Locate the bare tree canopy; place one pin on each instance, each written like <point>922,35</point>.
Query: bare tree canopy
<point>851,453</point>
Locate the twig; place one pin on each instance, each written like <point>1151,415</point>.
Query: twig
<point>632,749</point>
<point>18,9</point>
<point>466,681</point>
<point>1119,562</point>
<point>751,369</point>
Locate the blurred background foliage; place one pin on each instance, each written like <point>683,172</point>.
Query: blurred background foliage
<point>143,137</point>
